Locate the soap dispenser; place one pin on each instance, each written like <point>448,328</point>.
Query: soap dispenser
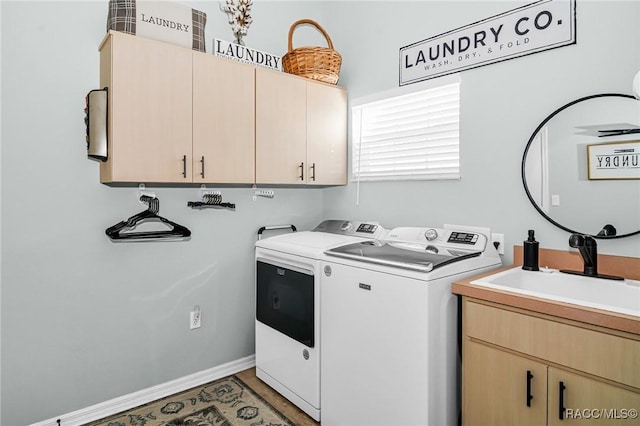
<point>530,251</point>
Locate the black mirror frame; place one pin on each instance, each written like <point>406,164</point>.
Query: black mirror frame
<point>524,159</point>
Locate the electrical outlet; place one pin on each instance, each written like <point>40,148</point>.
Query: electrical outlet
<point>498,238</point>
<point>195,318</point>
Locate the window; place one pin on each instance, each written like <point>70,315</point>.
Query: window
<point>408,136</point>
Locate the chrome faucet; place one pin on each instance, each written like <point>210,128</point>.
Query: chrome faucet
<point>588,248</point>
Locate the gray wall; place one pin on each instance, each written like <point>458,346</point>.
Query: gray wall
<point>84,320</point>
<point>501,106</point>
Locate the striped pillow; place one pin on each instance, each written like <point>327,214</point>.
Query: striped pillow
<point>170,22</point>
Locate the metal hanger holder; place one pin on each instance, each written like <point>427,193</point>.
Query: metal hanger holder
<point>210,199</point>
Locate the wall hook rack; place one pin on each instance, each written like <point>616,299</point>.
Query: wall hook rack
<point>265,193</point>
<point>144,192</point>
<point>210,198</point>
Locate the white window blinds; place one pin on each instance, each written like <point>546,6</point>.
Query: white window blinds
<point>409,136</point>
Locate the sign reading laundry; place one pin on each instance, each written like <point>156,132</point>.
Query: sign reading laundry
<point>618,160</point>
<point>246,54</point>
<point>165,21</point>
<point>539,26</point>
<point>179,26</point>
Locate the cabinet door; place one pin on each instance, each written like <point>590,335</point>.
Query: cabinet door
<point>150,106</point>
<point>588,401</point>
<point>326,134</point>
<point>223,120</point>
<point>280,128</point>
<point>495,388</point>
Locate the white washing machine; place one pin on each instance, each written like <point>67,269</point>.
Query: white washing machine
<point>288,307</point>
<point>389,326</point>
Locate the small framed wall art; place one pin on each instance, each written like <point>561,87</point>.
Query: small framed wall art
<point>616,160</point>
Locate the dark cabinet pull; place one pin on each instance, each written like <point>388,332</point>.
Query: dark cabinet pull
<point>529,396</point>
<point>313,171</point>
<point>202,172</point>
<point>561,408</point>
<point>301,171</point>
<point>184,166</point>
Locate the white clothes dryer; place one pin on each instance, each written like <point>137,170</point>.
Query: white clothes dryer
<point>288,307</point>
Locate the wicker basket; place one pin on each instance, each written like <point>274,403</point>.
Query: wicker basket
<point>317,63</point>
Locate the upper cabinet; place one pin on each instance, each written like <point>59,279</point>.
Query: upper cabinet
<point>301,131</point>
<point>180,116</point>
<point>149,109</point>
<point>326,134</point>
<point>281,131</point>
<point>223,120</point>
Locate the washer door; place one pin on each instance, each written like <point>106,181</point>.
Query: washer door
<point>284,301</point>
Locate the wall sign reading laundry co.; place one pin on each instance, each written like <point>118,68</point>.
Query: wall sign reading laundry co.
<point>532,28</point>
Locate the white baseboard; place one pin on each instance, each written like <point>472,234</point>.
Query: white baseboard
<point>135,399</point>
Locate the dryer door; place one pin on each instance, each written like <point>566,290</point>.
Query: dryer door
<point>284,301</point>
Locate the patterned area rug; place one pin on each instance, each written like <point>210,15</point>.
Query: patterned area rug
<point>225,402</point>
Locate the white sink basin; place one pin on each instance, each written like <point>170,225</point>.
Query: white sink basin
<point>609,295</point>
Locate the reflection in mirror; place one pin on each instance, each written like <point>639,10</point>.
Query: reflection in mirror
<point>555,166</point>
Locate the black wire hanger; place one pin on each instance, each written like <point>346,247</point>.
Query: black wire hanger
<point>122,230</point>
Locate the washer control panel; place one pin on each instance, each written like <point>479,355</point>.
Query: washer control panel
<point>443,238</point>
<point>352,228</point>
<point>462,238</point>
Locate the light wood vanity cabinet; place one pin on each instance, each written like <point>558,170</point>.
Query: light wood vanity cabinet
<point>585,392</point>
<point>495,388</point>
<point>301,131</point>
<point>180,116</point>
<point>510,354</point>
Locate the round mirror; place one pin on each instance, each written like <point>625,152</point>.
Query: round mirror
<point>581,165</point>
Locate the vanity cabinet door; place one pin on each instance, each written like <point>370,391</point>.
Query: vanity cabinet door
<point>326,134</point>
<point>496,386</point>
<point>223,120</point>
<point>586,401</point>
<point>281,132</point>
<point>149,110</point>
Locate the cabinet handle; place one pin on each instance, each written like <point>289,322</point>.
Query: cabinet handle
<point>561,408</point>
<point>529,396</point>
<point>301,171</point>
<point>313,171</point>
<point>184,166</point>
<point>202,173</point>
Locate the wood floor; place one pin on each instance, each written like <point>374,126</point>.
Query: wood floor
<point>292,412</point>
